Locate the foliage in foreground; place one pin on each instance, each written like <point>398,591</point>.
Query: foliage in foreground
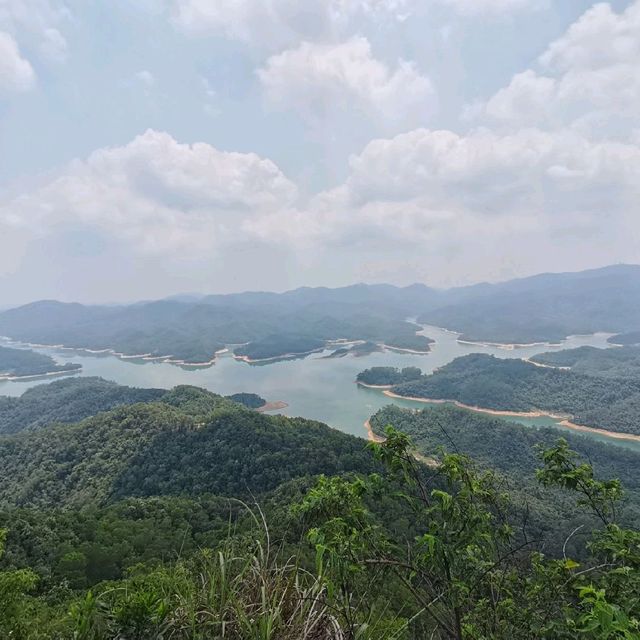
<point>463,576</point>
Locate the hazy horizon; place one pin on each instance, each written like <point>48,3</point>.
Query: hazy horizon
<point>187,146</point>
<point>203,294</point>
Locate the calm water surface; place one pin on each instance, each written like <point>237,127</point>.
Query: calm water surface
<point>314,387</point>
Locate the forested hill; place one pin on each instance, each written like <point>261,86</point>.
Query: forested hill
<point>191,517</point>
<point>541,308</point>
<point>73,399</point>
<point>545,308</point>
<point>67,400</point>
<point>516,385</point>
<point>190,443</point>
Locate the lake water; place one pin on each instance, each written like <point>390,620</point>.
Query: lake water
<point>314,387</point>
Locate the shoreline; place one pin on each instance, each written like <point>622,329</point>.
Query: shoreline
<point>148,357</point>
<point>284,356</point>
<point>509,346</point>
<point>545,366</point>
<point>563,420</point>
<point>374,386</point>
<point>276,405</point>
<point>403,350</point>
<point>34,376</point>
<point>371,436</point>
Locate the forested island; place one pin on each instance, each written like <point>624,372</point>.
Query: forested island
<point>387,376</point>
<point>484,381</point>
<point>275,347</point>
<point>179,513</point>
<point>24,363</point>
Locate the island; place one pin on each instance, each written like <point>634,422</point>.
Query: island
<point>387,376</point>
<point>25,363</point>
<point>278,347</point>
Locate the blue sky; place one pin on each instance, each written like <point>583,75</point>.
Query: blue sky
<point>148,147</point>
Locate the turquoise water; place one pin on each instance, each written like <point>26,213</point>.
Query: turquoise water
<point>314,387</point>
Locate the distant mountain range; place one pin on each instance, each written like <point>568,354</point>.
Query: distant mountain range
<point>191,329</point>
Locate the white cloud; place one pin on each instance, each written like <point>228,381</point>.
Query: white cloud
<point>279,23</point>
<point>157,194</point>
<point>589,79</point>
<point>436,195</point>
<point>16,73</point>
<point>321,81</point>
<point>490,7</point>
<point>36,23</point>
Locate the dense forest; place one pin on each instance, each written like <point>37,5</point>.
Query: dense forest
<point>548,307</point>
<point>189,516</point>
<point>249,400</point>
<point>190,442</point>
<point>16,363</point>
<point>278,346</point>
<point>388,376</point>
<point>516,385</point>
<point>68,400</point>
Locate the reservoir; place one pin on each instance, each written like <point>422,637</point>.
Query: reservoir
<point>314,387</point>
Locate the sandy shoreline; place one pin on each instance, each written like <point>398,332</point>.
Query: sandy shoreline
<point>374,386</point>
<point>284,356</point>
<point>402,350</point>
<point>371,436</point>
<point>509,346</point>
<point>149,357</point>
<point>545,366</point>
<point>276,405</point>
<point>35,376</point>
<point>563,420</point>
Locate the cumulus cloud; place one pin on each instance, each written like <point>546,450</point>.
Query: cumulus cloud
<point>284,23</point>
<point>490,7</point>
<point>422,185</point>
<point>280,23</point>
<point>37,23</point>
<point>320,81</point>
<point>16,73</point>
<point>156,194</point>
<point>588,79</point>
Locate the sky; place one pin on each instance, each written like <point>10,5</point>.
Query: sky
<point>150,147</point>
